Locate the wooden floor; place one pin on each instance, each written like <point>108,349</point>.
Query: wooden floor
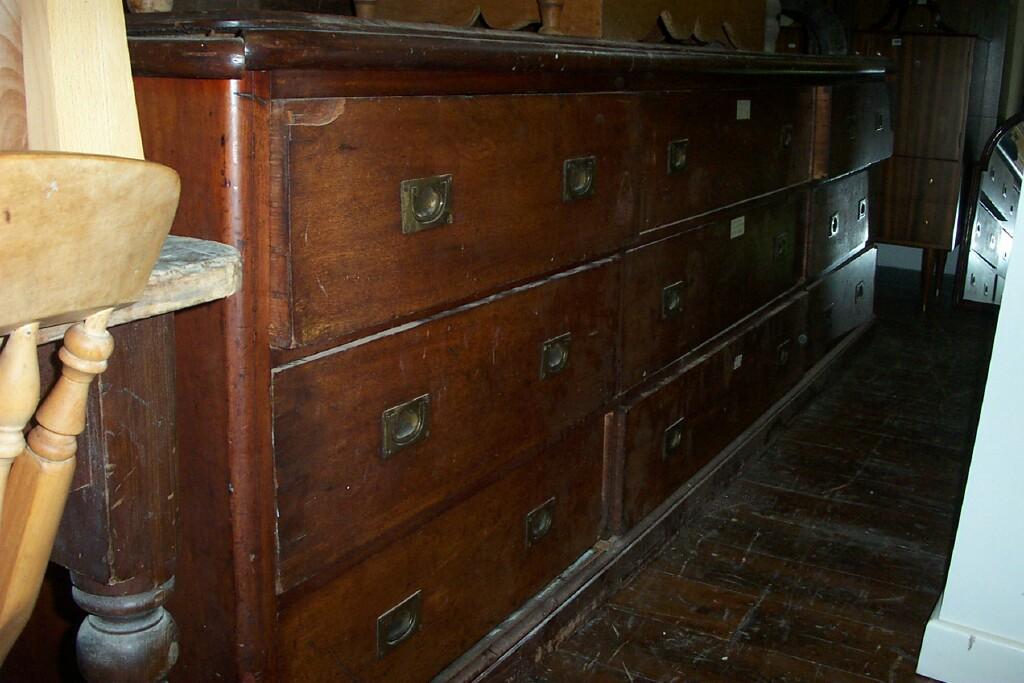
<point>823,561</point>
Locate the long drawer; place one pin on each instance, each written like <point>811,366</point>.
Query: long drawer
<point>708,150</point>
<point>682,290</point>
<point>400,206</point>
<point>372,435</point>
<point>409,610</point>
<point>675,428</point>
<point>839,222</point>
<point>840,302</point>
<point>859,131</point>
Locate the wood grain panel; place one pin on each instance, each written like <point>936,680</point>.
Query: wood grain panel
<point>724,276</point>
<point>472,564</point>
<point>13,123</point>
<point>935,73</point>
<point>488,403</point>
<point>839,200</point>
<point>716,396</point>
<point>917,200</point>
<point>351,266</point>
<point>740,144</point>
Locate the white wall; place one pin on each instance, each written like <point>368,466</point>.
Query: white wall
<point>977,632</point>
<point>909,258</point>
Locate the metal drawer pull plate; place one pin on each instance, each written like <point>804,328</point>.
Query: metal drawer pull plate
<point>780,245</point>
<point>405,424</point>
<point>782,353</point>
<point>578,178</point>
<point>787,136</point>
<point>879,121</point>
<point>539,522</point>
<point>554,355</point>
<point>399,623</point>
<point>672,300</point>
<point>677,150</point>
<point>862,209</point>
<point>674,438</point>
<point>858,292</point>
<point>833,225</point>
<point>426,203</point>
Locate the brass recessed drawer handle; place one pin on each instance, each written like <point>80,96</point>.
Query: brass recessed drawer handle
<point>858,291</point>
<point>578,177</point>
<point>539,522</point>
<point>677,151</point>
<point>672,300</point>
<point>862,209</point>
<point>404,424</point>
<point>833,226</point>
<point>787,136</point>
<point>780,246</point>
<point>879,121</point>
<point>554,355</point>
<point>426,203</point>
<point>782,353</point>
<point>399,623</point>
<point>674,438</point>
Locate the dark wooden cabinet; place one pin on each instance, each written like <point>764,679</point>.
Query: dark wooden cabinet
<point>485,277</point>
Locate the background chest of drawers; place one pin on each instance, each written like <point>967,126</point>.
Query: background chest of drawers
<point>503,295</point>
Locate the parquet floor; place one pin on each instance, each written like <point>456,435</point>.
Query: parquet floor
<point>823,561</point>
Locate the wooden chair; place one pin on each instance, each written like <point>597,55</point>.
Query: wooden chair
<point>79,235</point>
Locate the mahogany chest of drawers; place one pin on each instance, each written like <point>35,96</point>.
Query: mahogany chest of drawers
<point>504,294</point>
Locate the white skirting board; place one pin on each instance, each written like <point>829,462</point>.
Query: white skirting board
<point>954,653</point>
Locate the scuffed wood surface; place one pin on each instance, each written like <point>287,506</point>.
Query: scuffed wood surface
<point>189,272</point>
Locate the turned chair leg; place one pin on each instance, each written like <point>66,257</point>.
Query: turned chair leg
<point>40,478</point>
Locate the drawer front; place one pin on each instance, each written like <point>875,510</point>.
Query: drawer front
<point>841,302</point>
<point>1001,188</point>
<point>371,437</point>
<point>708,150</point>
<point>839,222</point>
<point>986,235</point>
<point>860,131</point>
<point>397,206</point>
<point>980,280</point>
<point>1004,252</point>
<point>683,290</point>
<point>918,202</point>
<point>670,433</point>
<point>471,567</point>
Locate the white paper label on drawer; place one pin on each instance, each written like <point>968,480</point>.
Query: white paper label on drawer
<point>742,110</point>
<point>737,226</point>
<point>737,362</point>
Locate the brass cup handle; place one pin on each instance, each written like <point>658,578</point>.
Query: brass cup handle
<point>674,438</point>
<point>554,355</point>
<point>786,137</point>
<point>862,209</point>
<point>539,522</point>
<point>404,424</point>
<point>672,300</point>
<point>399,623</point>
<point>833,225</point>
<point>578,178</point>
<point>426,203</point>
<point>676,155</point>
